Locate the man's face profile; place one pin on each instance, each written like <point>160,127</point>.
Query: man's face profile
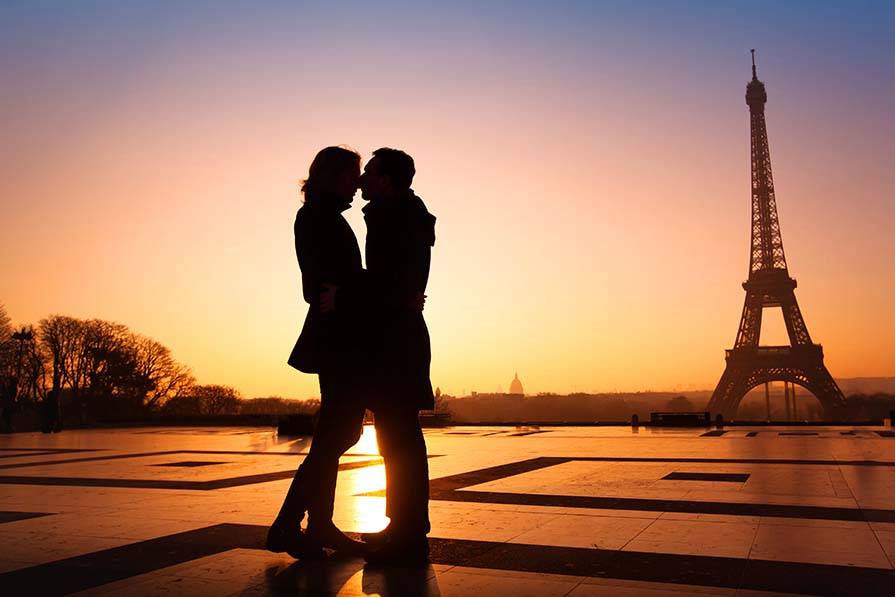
<point>373,184</point>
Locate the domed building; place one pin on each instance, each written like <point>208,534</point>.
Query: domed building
<point>516,386</point>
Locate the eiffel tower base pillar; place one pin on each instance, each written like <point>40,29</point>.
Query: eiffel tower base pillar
<point>749,367</point>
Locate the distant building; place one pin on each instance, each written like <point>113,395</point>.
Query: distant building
<point>516,386</point>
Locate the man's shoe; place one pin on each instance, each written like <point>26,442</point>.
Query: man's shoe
<point>402,552</point>
<point>377,538</point>
<point>329,535</point>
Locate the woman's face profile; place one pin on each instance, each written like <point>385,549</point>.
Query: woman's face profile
<point>348,183</point>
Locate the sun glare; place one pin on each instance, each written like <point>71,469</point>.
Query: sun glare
<point>366,513</point>
<point>367,443</point>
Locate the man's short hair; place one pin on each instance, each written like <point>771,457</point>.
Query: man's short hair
<point>397,166</point>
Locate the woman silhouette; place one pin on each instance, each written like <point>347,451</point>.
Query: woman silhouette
<point>332,345</point>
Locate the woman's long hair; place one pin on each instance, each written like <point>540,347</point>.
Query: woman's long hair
<point>328,166</point>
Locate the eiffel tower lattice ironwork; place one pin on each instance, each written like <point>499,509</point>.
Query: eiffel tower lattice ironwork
<point>769,285</point>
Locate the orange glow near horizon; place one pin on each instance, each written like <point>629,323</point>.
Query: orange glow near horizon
<point>592,193</point>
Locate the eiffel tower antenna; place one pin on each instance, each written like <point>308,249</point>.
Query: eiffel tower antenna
<point>770,285</point>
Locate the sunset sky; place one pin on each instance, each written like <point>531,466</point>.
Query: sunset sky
<point>588,163</point>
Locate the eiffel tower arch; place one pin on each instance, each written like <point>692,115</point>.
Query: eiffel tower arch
<point>770,285</point>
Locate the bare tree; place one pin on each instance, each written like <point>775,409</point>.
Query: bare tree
<point>116,384</point>
<point>166,377</point>
<point>109,370</point>
<point>22,371</point>
<point>30,364</point>
<point>7,347</point>
<point>60,336</point>
<point>182,405</point>
<point>217,399</point>
<point>275,405</point>
<point>5,324</point>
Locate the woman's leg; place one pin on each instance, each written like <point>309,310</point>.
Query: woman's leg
<point>338,428</point>
<point>296,502</point>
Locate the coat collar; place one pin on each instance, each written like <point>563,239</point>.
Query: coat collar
<point>376,207</point>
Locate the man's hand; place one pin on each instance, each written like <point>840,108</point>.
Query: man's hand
<point>328,298</point>
<point>419,302</point>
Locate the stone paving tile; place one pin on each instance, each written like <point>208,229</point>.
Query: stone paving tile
<point>783,471</point>
<point>791,481</point>
<point>461,583</point>
<point>243,566</point>
<point>586,590</point>
<point>882,526</point>
<point>37,548</point>
<point>537,509</point>
<point>611,586</point>
<point>601,532</point>
<point>395,582</point>
<point>68,497</point>
<point>814,522</point>
<point>819,545</point>
<point>348,577</point>
<point>887,541</point>
<point>100,525</point>
<point>771,498</point>
<point>753,520</point>
<point>157,583</point>
<point>518,574</point>
<point>726,539</point>
<point>496,526</point>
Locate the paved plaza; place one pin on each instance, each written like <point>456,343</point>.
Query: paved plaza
<point>578,511</point>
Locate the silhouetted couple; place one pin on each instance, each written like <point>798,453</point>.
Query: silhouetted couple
<point>366,338</point>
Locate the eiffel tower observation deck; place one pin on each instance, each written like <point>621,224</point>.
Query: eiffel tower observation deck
<point>769,285</point>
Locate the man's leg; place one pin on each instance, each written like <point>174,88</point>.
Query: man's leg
<point>383,444</point>
<point>407,470</point>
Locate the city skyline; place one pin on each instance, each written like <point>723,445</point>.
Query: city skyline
<point>592,212</point>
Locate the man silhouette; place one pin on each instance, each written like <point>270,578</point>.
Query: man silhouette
<point>400,236</point>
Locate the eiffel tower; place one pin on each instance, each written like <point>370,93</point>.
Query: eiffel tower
<point>769,285</point>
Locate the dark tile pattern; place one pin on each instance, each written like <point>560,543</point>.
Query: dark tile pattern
<point>657,505</point>
<point>58,450</point>
<point>190,463</point>
<point>445,489</point>
<point>159,453</point>
<point>723,477</point>
<point>102,567</point>
<point>170,484</point>
<point>14,516</point>
<point>41,451</point>
<point>86,459</point>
